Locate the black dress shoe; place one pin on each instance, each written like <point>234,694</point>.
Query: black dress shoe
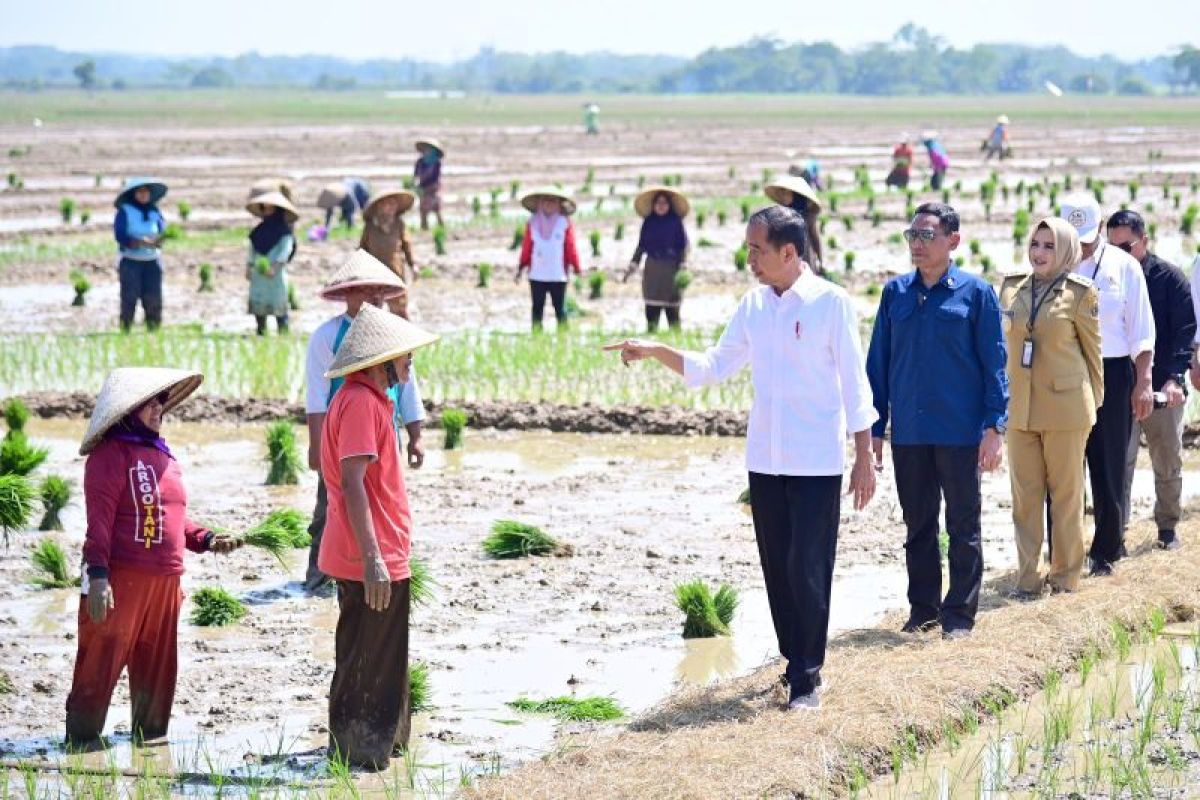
<point>915,625</point>
<point>1100,569</point>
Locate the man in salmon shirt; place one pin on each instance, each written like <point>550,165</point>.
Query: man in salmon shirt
<point>365,547</point>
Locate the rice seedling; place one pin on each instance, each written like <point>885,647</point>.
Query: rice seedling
<point>745,208</point>
<point>420,583</point>
<point>81,285</point>
<point>454,421</point>
<point>476,206</point>
<point>832,242</point>
<point>512,539</point>
<point>282,454</point>
<point>185,210</point>
<point>66,207</point>
<point>741,257</point>
<point>1187,223</point>
<point>85,217</point>
<point>518,237</point>
<point>262,265</point>
<point>514,188</point>
<point>483,272</point>
<point>292,300</point>
<point>571,709</point>
<point>282,530</point>
<point>50,563</point>
<point>833,203</point>
<point>960,261</point>
<point>16,504</point>
<point>439,240</point>
<point>206,277</point>
<point>12,180</point>
<point>18,456</point>
<point>701,217</point>
<point>420,694</point>
<point>722,217</point>
<point>594,241</point>
<point>173,232</point>
<point>6,684</point>
<point>683,279</point>
<point>215,607</point>
<point>16,414</point>
<point>1133,191</point>
<point>55,493</point>
<point>1121,640</point>
<point>702,616</point>
<point>849,258</point>
<point>596,281</point>
<point>705,242</point>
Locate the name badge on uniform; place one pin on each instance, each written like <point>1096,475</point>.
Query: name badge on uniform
<point>1027,354</point>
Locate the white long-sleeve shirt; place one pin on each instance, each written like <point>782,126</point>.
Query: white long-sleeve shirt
<point>320,357</point>
<point>1126,319</point>
<point>807,369</point>
<point>1196,294</point>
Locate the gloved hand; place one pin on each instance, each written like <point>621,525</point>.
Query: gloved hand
<point>99,599</point>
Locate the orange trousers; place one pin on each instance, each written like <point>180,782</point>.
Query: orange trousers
<point>139,633</point>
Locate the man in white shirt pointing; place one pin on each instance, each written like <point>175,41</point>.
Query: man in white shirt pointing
<point>799,334</point>
<point>1127,345</point>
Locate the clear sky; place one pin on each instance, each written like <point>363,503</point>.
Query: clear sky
<point>450,29</point>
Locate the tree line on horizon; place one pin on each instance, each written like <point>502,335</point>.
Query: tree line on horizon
<point>913,62</point>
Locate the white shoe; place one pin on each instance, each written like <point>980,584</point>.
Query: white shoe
<point>805,702</point>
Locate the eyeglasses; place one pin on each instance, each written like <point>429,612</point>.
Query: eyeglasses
<point>1126,246</point>
<point>924,234</point>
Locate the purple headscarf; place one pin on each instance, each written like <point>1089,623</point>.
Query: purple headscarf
<point>663,235</point>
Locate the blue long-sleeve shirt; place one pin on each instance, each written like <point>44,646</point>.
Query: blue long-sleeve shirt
<point>937,360</point>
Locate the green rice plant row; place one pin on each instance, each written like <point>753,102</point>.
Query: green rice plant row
<point>571,709</point>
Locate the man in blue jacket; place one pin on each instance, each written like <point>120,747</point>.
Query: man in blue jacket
<point>937,370</point>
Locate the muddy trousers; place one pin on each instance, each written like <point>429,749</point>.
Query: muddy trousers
<point>796,525</point>
<point>654,313</point>
<point>1164,440</point>
<point>260,324</point>
<point>558,296</point>
<point>139,633</point>
<point>1107,446</point>
<point>1041,464</point>
<point>141,281</point>
<point>314,578</point>
<point>368,699</point>
<point>924,474</point>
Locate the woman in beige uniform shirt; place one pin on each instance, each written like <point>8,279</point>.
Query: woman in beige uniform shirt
<point>1056,383</point>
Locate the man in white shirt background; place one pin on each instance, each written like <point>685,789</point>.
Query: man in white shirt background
<point>799,334</point>
<point>1127,345</point>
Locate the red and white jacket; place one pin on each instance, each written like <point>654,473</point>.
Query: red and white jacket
<point>549,259</point>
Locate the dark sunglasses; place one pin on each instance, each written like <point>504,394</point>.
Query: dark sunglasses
<point>1126,246</point>
<point>925,234</point>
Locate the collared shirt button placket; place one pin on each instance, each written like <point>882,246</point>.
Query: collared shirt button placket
<point>777,372</point>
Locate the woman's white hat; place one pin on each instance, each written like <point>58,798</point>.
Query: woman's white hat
<point>531,198</point>
<point>362,269</point>
<point>781,189</point>
<point>127,388</point>
<point>376,336</point>
<point>258,205</point>
<point>643,204</point>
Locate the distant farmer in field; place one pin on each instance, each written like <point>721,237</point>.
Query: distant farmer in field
<point>138,228</point>
<point>1127,344</point>
<point>1194,372</point>
<point>267,185</point>
<point>591,118</point>
<point>795,193</point>
<point>137,529</point>
<point>427,175</point>
<point>810,172</point>
<point>361,281</point>
<point>939,161</point>
<point>1052,328</point>
<point>347,196</point>
<point>996,144</point>
<point>1174,331</point>
<point>664,243</point>
<point>936,366</point>
<point>799,334</point>
<point>548,251</point>
<point>272,247</point>
<point>384,237</point>
<point>902,158</point>
<point>367,540</point>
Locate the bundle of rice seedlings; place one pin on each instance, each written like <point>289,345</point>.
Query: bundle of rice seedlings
<point>16,503</point>
<point>518,237</point>
<point>704,615</point>
<point>51,564</point>
<point>16,414</point>
<point>185,210</point>
<point>596,285</point>
<point>454,420</point>
<point>296,524</point>
<point>419,693</point>
<point>18,456</point>
<point>439,240</point>
<point>571,709</point>
<point>81,285</point>
<point>66,207</point>
<point>512,539</point>
<point>55,492</point>
<point>215,607</point>
<point>206,277</point>
<point>282,454</point>
<point>485,275</point>
<point>420,583</point>
<point>272,536</point>
<point>293,301</point>
<point>683,279</point>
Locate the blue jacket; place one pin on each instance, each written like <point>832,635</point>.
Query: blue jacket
<point>937,360</point>
<point>130,223</point>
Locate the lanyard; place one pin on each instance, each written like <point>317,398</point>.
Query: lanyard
<point>1096,266</point>
<point>1035,305</point>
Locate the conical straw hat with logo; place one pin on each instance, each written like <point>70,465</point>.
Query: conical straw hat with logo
<point>362,269</point>
<point>643,204</point>
<point>375,337</point>
<point>782,189</point>
<point>276,199</point>
<point>127,388</point>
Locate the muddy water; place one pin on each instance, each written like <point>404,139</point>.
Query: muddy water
<point>644,513</point>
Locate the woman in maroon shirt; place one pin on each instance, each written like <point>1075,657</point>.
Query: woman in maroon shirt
<point>137,529</point>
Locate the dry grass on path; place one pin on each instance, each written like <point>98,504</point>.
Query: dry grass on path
<point>731,741</point>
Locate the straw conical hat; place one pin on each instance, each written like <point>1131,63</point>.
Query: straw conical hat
<point>430,142</point>
<point>332,195</point>
<point>276,198</point>
<point>1002,119</point>
<point>405,199</point>
<point>362,269</point>
<point>267,185</point>
<point>374,337</point>
<point>127,388</point>
<point>530,199</point>
<point>643,204</point>
<point>782,189</point>
<point>158,190</point>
